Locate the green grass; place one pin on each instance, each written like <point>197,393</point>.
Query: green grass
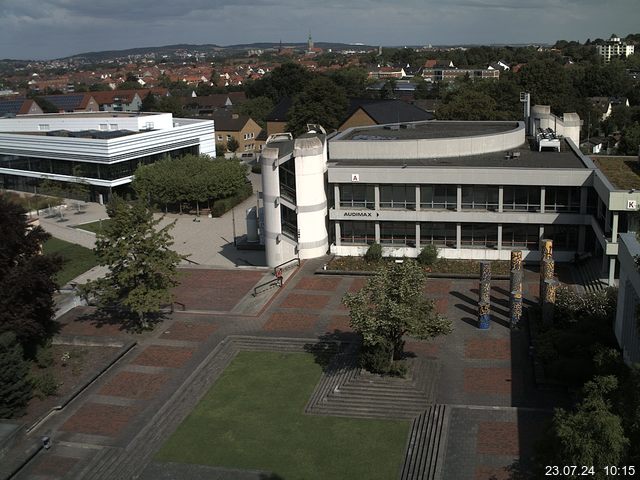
<point>252,418</point>
<point>622,172</point>
<point>77,259</point>
<point>94,227</point>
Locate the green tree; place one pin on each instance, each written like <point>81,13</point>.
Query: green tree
<point>287,80</point>
<point>321,102</point>
<point>233,145</point>
<point>257,109</point>
<point>590,435</point>
<point>142,266</point>
<point>468,104</point>
<point>15,388</point>
<point>26,278</point>
<point>630,141</point>
<point>149,103</point>
<point>391,305</point>
<point>46,105</point>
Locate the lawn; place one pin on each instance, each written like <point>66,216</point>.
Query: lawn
<point>94,227</point>
<point>252,418</point>
<point>622,172</point>
<point>77,259</point>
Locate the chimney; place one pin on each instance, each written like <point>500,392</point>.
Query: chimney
<point>235,116</point>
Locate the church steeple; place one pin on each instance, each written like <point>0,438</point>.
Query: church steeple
<point>309,43</point>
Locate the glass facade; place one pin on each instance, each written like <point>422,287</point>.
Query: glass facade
<point>562,199</point>
<point>398,196</point>
<point>357,233</point>
<point>289,220</point>
<point>112,171</point>
<point>357,196</point>
<point>565,237</point>
<point>398,233</point>
<point>479,197</point>
<point>287,173</point>
<point>479,235</point>
<point>521,198</point>
<point>439,197</point>
<point>440,234</point>
<point>520,236</point>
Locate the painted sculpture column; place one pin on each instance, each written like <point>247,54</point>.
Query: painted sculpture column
<point>484,296</point>
<point>515,288</point>
<point>546,265</point>
<point>548,307</point>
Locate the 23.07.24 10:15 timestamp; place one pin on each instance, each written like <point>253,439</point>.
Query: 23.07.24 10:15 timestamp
<point>587,471</point>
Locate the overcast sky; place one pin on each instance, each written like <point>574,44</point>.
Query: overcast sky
<point>41,29</point>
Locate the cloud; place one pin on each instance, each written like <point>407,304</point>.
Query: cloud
<point>54,28</point>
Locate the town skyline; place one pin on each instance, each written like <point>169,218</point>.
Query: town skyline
<point>56,29</point>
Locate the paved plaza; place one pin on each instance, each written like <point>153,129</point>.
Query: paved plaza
<point>484,378</point>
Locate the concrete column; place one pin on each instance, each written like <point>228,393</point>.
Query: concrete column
<point>458,236</point>
<point>417,198</point>
<point>607,221</point>
<point>614,228</point>
<point>543,192</point>
<point>376,197</point>
<point>583,200</point>
<point>612,271</point>
<point>499,236</point>
<point>338,234</point>
<point>582,233</point>
<point>377,231</point>
<point>459,198</point>
<point>336,196</point>
<point>417,234</point>
<point>500,199</point>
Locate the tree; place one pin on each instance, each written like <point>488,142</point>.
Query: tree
<point>469,104</point>
<point>630,141</point>
<point>392,305</point>
<point>26,278</point>
<point>149,103</point>
<point>142,266</point>
<point>287,80</point>
<point>233,145</point>
<point>15,388</point>
<point>321,102</point>
<point>257,108</point>
<point>590,435</point>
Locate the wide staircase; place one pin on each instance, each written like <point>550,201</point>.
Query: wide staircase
<point>425,448</point>
<point>587,276</point>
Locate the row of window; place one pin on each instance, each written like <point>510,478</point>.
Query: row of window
<point>474,197</point>
<point>74,168</point>
<point>472,235</point>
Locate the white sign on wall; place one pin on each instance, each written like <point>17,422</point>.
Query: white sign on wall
<point>355,177</point>
<point>632,205</point>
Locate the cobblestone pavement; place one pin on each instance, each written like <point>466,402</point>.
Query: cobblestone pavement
<point>485,376</point>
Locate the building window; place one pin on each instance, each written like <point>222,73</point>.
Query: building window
<point>522,199</point>
<point>228,138</point>
<point>289,222</point>
<point>439,234</point>
<point>220,137</point>
<point>479,235</point>
<point>565,237</point>
<point>521,236</point>
<point>439,197</point>
<point>357,196</point>
<point>398,196</point>
<point>288,180</point>
<point>562,199</point>
<point>357,233</point>
<point>104,126</point>
<point>113,126</point>
<point>479,197</point>
<point>398,233</point>
<point>43,127</point>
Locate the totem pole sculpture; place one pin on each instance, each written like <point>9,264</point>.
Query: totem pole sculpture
<point>515,288</point>
<point>547,266</point>
<point>484,296</point>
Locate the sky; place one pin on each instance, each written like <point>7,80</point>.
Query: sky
<point>45,29</point>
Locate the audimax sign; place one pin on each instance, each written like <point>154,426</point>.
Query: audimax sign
<point>360,214</point>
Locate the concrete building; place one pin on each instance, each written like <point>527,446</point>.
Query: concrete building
<point>99,149</point>
<point>614,48</point>
<point>476,190</point>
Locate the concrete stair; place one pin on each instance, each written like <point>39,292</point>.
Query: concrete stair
<point>425,448</point>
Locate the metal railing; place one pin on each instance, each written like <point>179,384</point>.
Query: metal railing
<point>286,265</point>
<point>275,282</point>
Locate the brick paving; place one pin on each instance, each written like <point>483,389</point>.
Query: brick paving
<point>218,290</point>
<point>484,472</point>
<point>54,465</point>
<point>494,381</point>
<point>291,322</point>
<point>100,419</point>
<point>188,331</point>
<point>312,302</point>
<point>497,438</point>
<point>339,323</point>
<point>134,385</point>
<point>160,356</point>
<point>488,348</point>
<point>327,284</point>
<point>475,367</point>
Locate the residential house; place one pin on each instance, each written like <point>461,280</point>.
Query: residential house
<point>73,102</point>
<point>364,112</point>
<point>614,48</point>
<point>241,127</point>
<point>209,104</point>
<point>19,106</point>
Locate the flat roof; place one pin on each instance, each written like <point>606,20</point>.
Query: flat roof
<point>88,114</point>
<point>528,158</point>
<point>622,172</point>
<point>426,130</point>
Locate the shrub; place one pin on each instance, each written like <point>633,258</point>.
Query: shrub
<point>220,207</point>
<point>428,255</point>
<point>45,385</point>
<point>376,358</point>
<point>44,356</point>
<point>374,253</point>
<point>15,389</point>
<point>256,168</point>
